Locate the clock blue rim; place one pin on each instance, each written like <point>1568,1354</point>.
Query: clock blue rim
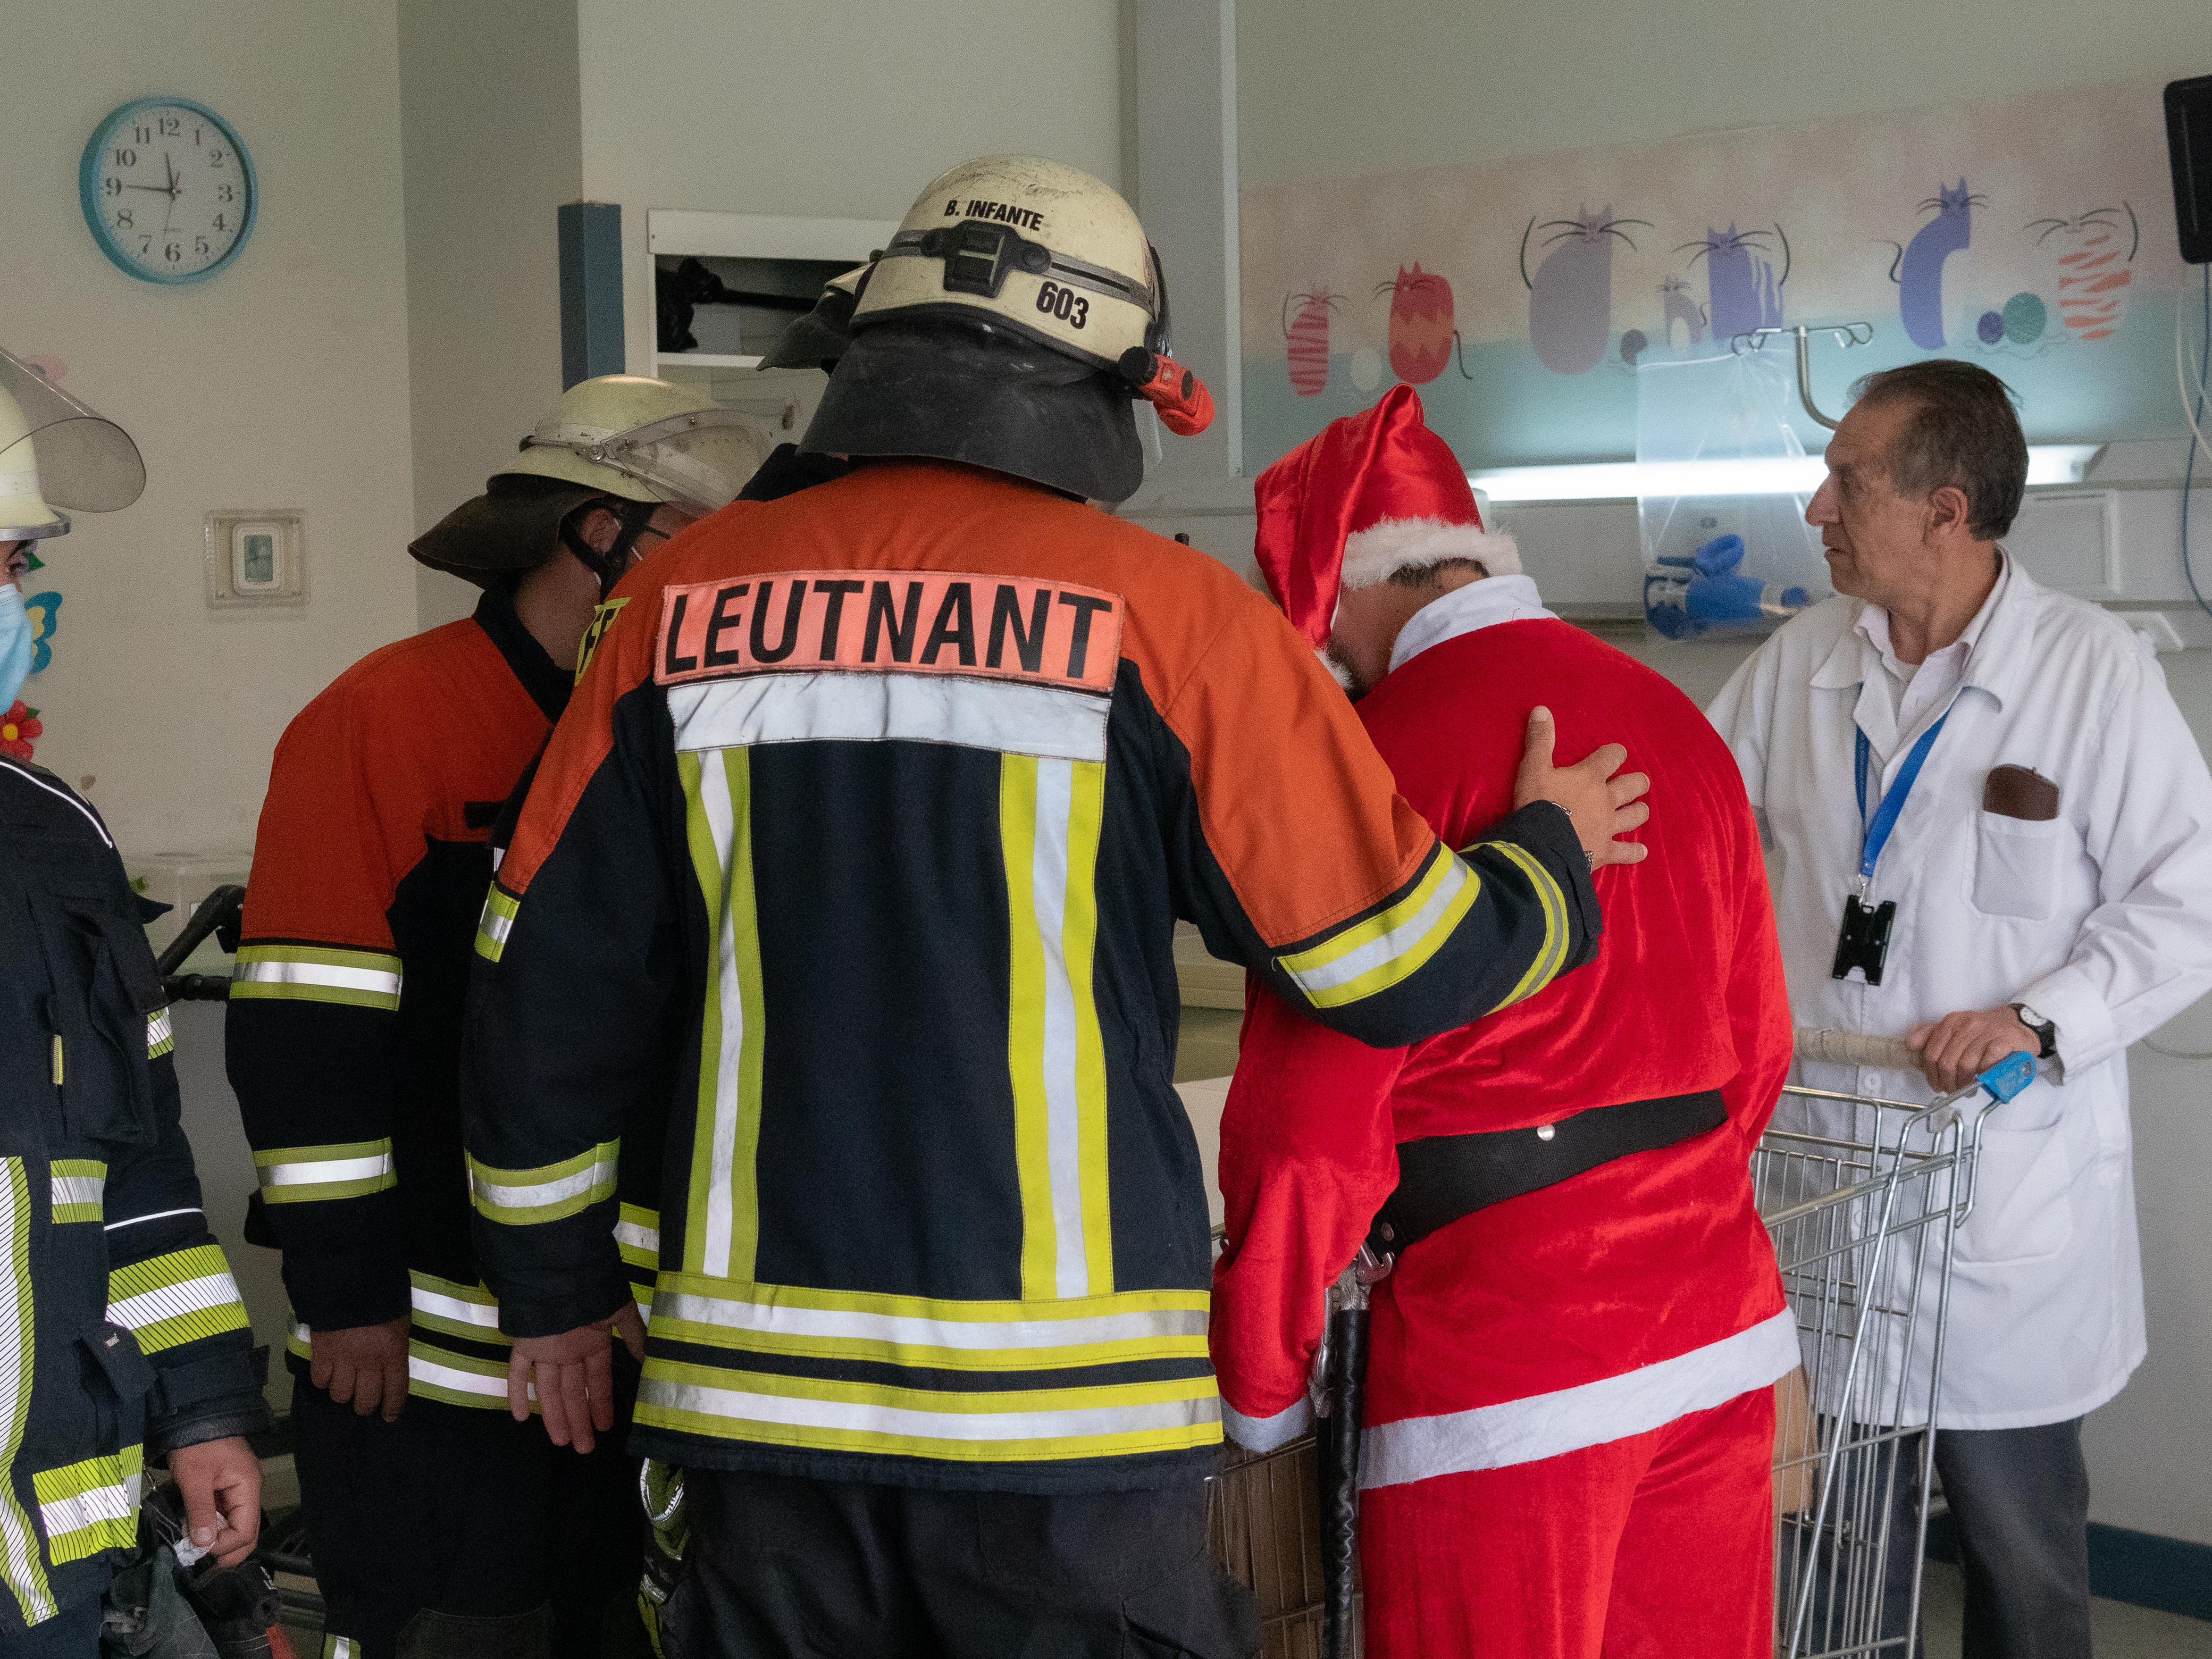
<point>88,189</point>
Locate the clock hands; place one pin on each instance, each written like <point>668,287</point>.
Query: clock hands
<point>170,168</point>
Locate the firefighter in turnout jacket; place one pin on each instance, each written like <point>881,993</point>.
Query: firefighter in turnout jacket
<point>851,872</point>
<point>427,1510</point>
<point>1569,1425</point>
<point>124,1338</point>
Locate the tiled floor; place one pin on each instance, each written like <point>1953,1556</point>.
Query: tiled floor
<point>2119,1631</point>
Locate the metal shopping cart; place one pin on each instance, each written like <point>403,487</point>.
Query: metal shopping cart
<point>1863,1198</point>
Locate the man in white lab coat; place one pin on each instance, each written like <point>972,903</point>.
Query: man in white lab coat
<point>2004,766</point>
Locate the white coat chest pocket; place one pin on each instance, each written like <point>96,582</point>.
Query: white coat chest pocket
<point>2016,865</point>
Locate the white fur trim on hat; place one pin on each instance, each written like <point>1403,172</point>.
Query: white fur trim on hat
<point>1371,555</point>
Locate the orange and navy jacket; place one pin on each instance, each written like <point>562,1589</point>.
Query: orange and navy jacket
<point>1498,1339</point>
<point>345,1010</point>
<point>123,1333</point>
<point>854,865</point>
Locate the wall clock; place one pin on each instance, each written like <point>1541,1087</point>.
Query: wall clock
<point>167,190</point>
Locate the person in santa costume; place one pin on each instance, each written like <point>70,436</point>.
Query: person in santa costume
<point>1570,1419</point>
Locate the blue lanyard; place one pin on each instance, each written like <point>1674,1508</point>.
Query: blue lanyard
<point>1886,815</point>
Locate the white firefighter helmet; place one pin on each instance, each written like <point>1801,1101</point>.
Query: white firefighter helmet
<point>997,258</point>
<point>1043,248</point>
<point>90,464</point>
<point>645,441</point>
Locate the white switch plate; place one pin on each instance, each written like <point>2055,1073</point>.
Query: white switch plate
<point>256,557</point>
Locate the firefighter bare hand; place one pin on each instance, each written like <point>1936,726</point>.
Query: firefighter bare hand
<point>1958,1048</point>
<point>1603,806</point>
<point>365,1366</point>
<point>221,1481</point>
<point>574,1376</point>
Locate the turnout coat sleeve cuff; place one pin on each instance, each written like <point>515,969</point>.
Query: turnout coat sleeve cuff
<point>1546,831</point>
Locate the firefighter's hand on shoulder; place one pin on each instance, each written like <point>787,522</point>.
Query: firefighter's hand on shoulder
<point>1604,806</point>
<point>221,1481</point>
<point>572,1375</point>
<point>364,1366</point>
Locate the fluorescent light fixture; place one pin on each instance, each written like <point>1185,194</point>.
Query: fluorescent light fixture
<point>1598,481</point>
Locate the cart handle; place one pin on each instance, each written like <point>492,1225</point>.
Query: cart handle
<point>1856,1049</point>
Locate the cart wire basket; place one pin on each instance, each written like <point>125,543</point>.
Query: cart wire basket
<point>1863,1198</point>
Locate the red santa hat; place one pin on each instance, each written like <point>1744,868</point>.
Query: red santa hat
<point>1369,494</point>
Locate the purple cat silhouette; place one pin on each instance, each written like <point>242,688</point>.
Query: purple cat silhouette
<point>1675,299</point>
<point>1919,269</point>
<point>1745,292</point>
<point>1571,295</point>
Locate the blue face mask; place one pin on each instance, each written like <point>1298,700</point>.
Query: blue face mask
<point>14,643</point>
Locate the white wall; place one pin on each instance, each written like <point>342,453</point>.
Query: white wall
<point>829,108</point>
<point>491,143</point>
<point>1334,91</point>
<point>281,382</point>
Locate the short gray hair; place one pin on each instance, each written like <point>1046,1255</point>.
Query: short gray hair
<point>1962,434</point>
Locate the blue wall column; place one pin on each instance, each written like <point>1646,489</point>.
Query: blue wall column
<point>590,291</point>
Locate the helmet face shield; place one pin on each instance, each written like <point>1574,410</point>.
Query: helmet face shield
<point>699,459</point>
<point>55,452</point>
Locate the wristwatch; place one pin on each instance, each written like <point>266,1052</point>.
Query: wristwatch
<point>2045,1033</point>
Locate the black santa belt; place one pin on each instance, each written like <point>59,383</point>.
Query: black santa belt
<point>1442,1178</point>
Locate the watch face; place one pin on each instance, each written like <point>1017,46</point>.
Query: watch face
<point>168,189</point>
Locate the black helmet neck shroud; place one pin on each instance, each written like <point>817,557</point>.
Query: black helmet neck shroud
<point>519,522</point>
<point>952,387</point>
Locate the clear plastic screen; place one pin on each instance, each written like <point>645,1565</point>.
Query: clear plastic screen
<point>86,464</point>
<point>1724,487</point>
<point>700,461</point>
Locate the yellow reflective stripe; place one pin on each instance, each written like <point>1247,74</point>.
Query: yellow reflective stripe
<point>90,1506</point>
<point>1037,1336</point>
<point>637,1236</point>
<point>550,1192</point>
<point>160,1036</point>
<point>78,1189</point>
<point>457,1309</point>
<point>1546,967</point>
<point>297,1336</point>
<point>181,1297</point>
<point>458,1379</point>
<point>340,1647</point>
<point>1390,946</point>
<point>1019,1426</point>
<point>20,1563</point>
<point>1049,817</point>
<point>302,1175</point>
<point>722,1236</point>
<point>316,973</point>
<point>495,923</point>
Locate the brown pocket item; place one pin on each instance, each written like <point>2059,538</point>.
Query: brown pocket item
<point>2019,792</point>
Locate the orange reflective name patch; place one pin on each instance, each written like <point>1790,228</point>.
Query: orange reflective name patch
<point>919,622</point>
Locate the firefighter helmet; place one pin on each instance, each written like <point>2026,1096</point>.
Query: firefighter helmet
<point>1009,325</point>
<point>643,442</point>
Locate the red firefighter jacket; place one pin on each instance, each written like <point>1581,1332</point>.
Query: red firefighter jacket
<point>853,869</point>
<point>345,1014</point>
<point>1604,1305</point>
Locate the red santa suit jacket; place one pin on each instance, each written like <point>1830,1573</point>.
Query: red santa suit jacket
<point>1605,1306</point>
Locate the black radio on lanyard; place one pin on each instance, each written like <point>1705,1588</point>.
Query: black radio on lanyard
<point>1864,941</point>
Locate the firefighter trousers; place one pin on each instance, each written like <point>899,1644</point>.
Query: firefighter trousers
<point>1660,1546</point>
<point>459,1531</point>
<point>779,1565</point>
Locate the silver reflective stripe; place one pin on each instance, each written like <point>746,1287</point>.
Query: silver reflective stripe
<point>89,1509</point>
<point>542,1192</point>
<point>1386,947</point>
<point>173,1301</point>
<point>794,1412</point>
<point>637,1237</point>
<point>493,924</point>
<point>20,1558</point>
<point>1049,880</point>
<point>420,1370</point>
<point>718,1225</point>
<point>324,975</point>
<point>160,1036</point>
<point>323,1172</point>
<point>86,1189</point>
<point>983,1335</point>
<point>452,1307</point>
<point>1006,716</point>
